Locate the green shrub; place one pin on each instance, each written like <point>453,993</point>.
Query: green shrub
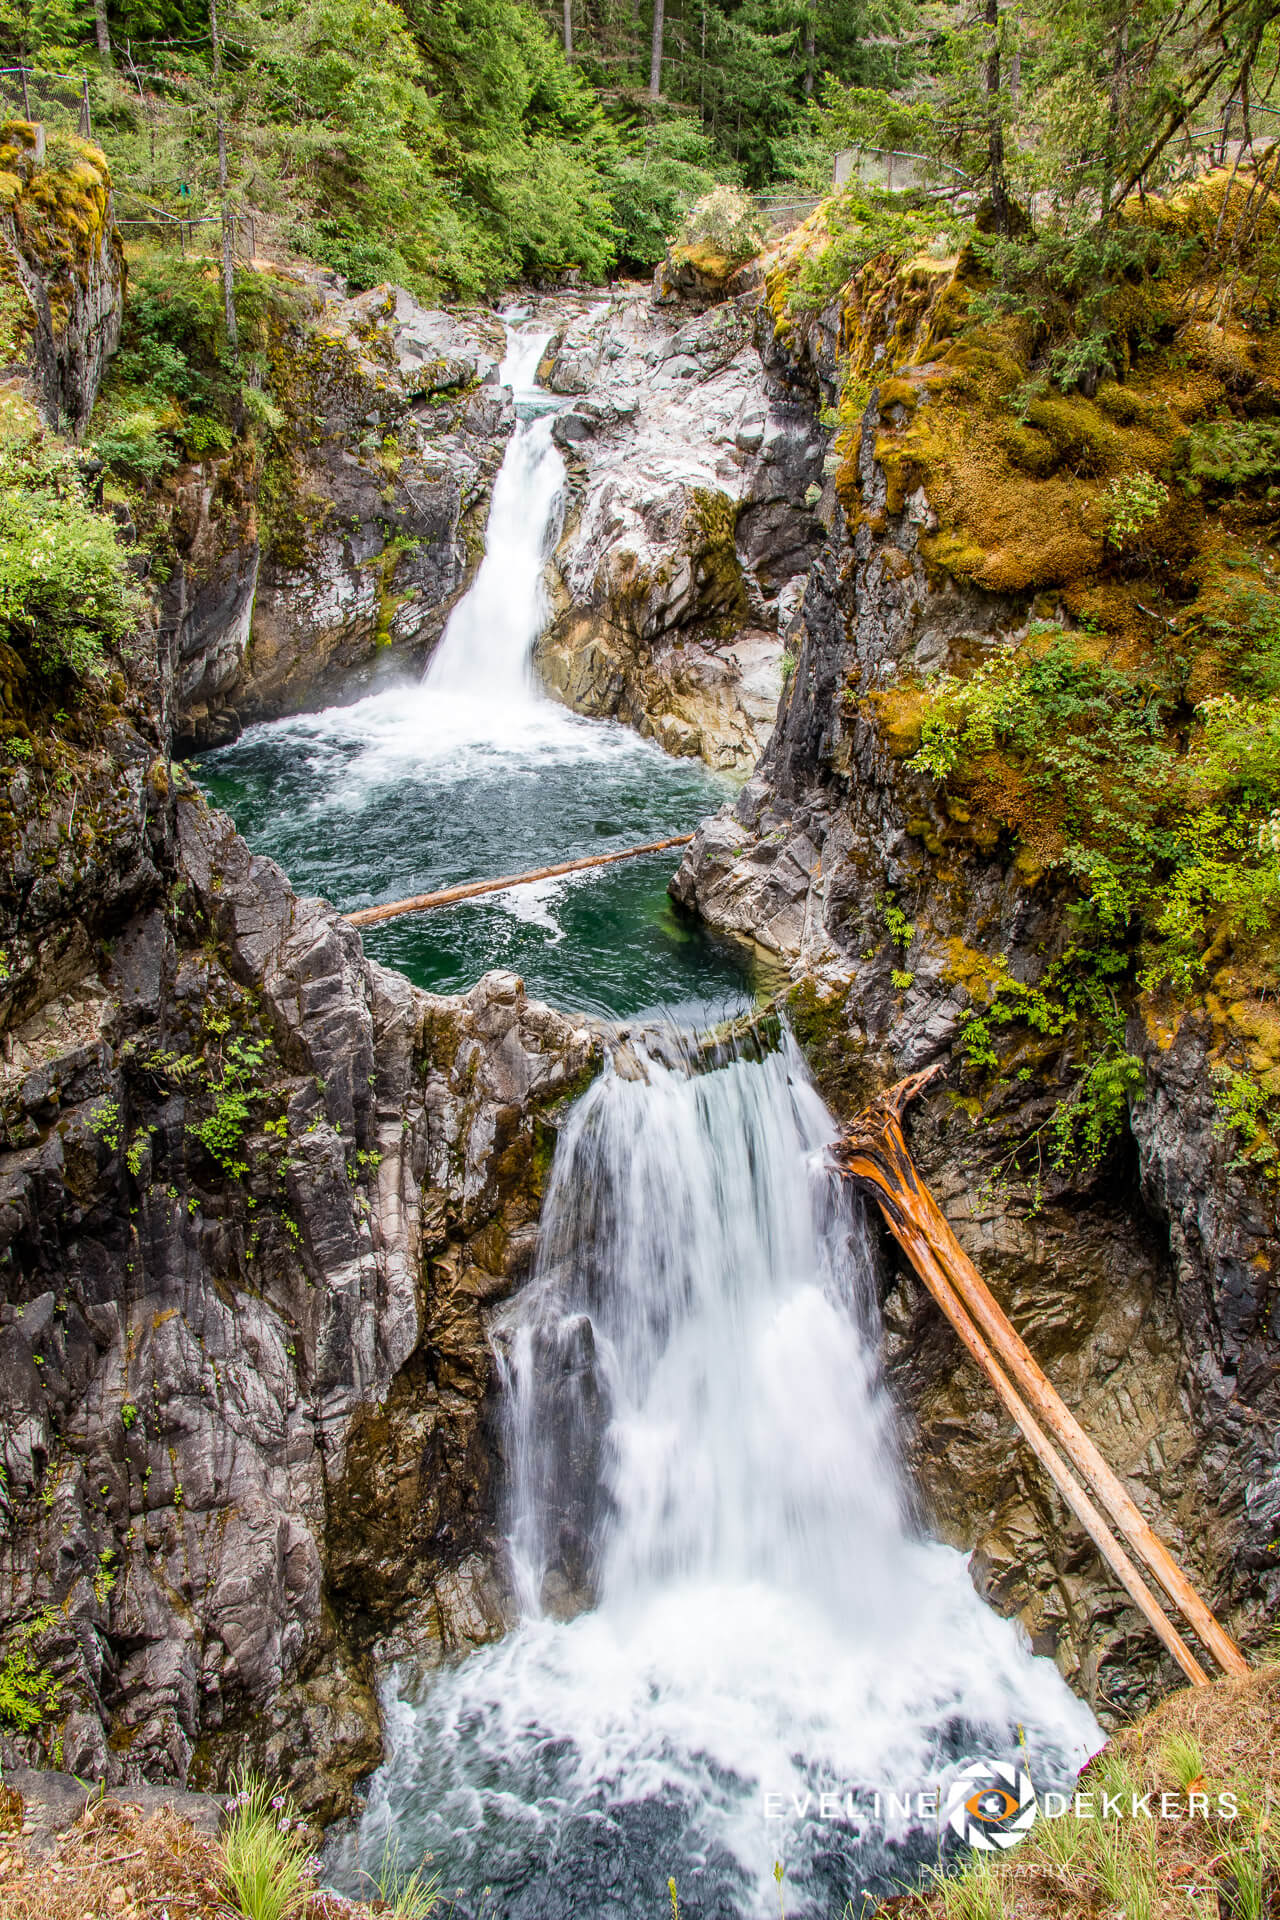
<point>1132,502</point>
<point>29,1695</point>
<point>661,170</point>
<point>222,1132</point>
<point>65,592</point>
<point>1245,631</point>
<point>725,219</point>
<point>862,225</point>
<point>1233,456</point>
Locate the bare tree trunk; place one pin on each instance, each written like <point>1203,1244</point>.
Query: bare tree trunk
<point>874,1153</point>
<point>655,54</point>
<point>102,30</point>
<point>568,29</point>
<point>1118,66</point>
<point>217,45</point>
<point>810,47</point>
<point>995,138</point>
<point>392,909</point>
<point>222,155</point>
<point>229,282</point>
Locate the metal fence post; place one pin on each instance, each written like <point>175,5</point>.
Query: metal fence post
<point>86,122</point>
<point>26,103</point>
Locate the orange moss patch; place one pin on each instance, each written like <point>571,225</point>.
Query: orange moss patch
<point>61,210</point>
<point>898,711</point>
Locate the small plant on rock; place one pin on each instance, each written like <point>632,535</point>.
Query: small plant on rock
<point>1133,502</point>
<point>267,1858</point>
<point>725,219</point>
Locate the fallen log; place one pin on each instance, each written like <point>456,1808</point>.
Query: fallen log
<point>1067,1484</point>
<point>874,1153</point>
<point>471,889</point>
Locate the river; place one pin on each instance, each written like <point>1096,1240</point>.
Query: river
<point>725,1608</point>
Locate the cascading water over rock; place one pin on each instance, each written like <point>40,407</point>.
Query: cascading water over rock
<point>473,771</point>
<point>486,651</point>
<point>700,1455</point>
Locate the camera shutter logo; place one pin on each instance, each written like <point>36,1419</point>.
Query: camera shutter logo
<point>991,1804</point>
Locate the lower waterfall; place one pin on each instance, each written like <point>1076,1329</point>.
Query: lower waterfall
<point>722,1595</point>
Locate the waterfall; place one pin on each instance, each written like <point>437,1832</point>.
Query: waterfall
<point>722,1595</point>
<point>485,653</point>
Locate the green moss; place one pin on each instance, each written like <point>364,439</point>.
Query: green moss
<point>711,527</point>
<point>836,1059</point>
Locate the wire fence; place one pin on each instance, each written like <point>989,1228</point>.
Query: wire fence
<point>781,212</point>
<point>892,170</point>
<point>176,197</point>
<point>166,113</point>
<point>53,94</point>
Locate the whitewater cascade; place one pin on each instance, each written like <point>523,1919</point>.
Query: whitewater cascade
<point>486,650</point>
<point>722,1595</point>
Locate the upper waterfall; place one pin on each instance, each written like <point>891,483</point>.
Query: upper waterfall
<point>485,655</point>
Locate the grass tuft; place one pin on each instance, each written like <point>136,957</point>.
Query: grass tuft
<point>268,1861</point>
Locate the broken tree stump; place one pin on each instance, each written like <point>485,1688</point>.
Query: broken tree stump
<point>874,1154</point>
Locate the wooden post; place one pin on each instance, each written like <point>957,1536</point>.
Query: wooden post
<point>874,1153</point>
<point>229,282</point>
<point>370,916</point>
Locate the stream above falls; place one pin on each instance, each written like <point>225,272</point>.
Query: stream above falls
<point>473,773</point>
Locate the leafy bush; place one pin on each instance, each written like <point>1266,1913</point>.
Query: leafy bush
<point>172,393</point>
<point>1226,875</point>
<point>662,169</point>
<point>1251,1115</point>
<point>1132,502</point>
<point>1079,292</point>
<point>222,1132</point>
<point>1245,630</point>
<point>862,225</point>
<point>65,592</point>
<point>29,1695</point>
<point>725,219</point>
<point>1178,844</point>
<point>1233,455</point>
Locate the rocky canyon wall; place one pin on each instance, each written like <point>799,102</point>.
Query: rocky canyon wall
<point>1143,1281</point>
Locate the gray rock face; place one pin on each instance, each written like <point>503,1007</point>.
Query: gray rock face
<point>347,565</point>
<point>1142,1286</point>
<point>257,1200</point>
<point>691,477</point>
<point>52,1802</point>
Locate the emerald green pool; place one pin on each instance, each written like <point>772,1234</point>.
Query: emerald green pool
<point>412,789</point>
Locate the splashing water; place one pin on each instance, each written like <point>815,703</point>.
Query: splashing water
<point>700,1454</point>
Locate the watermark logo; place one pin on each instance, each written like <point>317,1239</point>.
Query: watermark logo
<point>991,1803</point>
